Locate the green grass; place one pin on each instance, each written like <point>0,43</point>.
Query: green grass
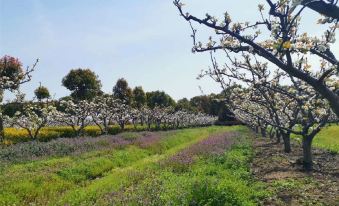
<point>135,175</point>
<point>328,138</point>
<point>220,180</point>
<point>86,178</point>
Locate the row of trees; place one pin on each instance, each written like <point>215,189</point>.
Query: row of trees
<point>84,84</point>
<point>88,105</point>
<point>104,111</point>
<point>269,79</point>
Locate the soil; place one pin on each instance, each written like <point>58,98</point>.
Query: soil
<point>286,180</point>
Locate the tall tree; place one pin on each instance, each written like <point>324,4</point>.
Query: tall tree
<point>83,83</point>
<point>122,91</point>
<point>139,97</point>
<point>201,103</point>
<point>183,104</point>
<point>159,98</point>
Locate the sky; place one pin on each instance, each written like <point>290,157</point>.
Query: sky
<point>144,41</point>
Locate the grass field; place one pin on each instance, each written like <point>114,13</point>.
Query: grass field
<point>328,138</point>
<point>159,168</point>
<point>200,166</point>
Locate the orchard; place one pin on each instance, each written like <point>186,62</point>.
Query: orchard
<point>116,112</point>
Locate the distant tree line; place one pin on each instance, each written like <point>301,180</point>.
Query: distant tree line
<point>84,84</point>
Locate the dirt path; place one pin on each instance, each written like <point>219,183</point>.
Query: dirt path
<point>288,183</point>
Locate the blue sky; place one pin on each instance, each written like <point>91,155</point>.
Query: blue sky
<point>144,41</point>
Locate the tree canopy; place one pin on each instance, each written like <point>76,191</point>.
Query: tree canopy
<point>122,91</point>
<point>139,97</point>
<point>159,98</point>
<point>42,93</point>
<point>83,83</point>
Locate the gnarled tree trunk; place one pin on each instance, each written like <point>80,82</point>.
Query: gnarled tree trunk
<point>307,153</point>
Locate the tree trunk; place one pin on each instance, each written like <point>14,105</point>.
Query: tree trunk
<point>278,135</point>
<point>80,131</point>
<point>82,127</point>
<point>307,153</point>
<point>256,129</point>
<point>122,125</point>
<point>102,128</point>
<point>134,122</point>
<point>105,127</point>
<point>263,132</point>
<point>30,134</point>
<point>287,142</point>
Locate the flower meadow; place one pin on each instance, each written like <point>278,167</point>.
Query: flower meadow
<point>145,168</point>
<point>214,171</point>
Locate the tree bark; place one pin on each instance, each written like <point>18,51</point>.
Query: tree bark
<point>326,9</point>
<point>307,153</point>
<point>287,142</point>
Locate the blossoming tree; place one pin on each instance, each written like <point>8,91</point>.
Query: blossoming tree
<point>267,99</point>
<point>279,39</point>
<point>102,112</point>
<point>77,115</point>
<point>33,118</point>
<point>12,75</point>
